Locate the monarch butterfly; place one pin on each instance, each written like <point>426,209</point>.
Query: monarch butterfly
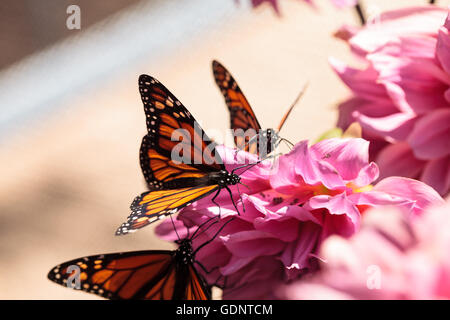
<point>174,181</point>
<point>247,130</point>
<point>150,274</point>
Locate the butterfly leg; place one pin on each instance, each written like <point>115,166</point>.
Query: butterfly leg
<point>206,229</point>
<point>216,282</point>
<point>232,200</point>
<point>213,237</point>
<point>204,268</point>
<point>196,232</point>
<point>213,201</point>
<point>240,196</point>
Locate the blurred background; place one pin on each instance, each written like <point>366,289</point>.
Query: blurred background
<point>71,118</point>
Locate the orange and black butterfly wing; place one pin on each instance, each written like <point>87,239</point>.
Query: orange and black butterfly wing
<point>176,152</point>
<point>152,275</point>
<point>196,288</point>
<point>242,117</point>
<point>153,205</point>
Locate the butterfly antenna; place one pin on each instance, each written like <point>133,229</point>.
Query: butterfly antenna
<point>213,237</point>
<point>247,166</point>
<point>206,229</point>
<point>246,186</point>
<point>174,228</point>
<point>201,226</point>
<point>286,115</point>
<point>289,144</point>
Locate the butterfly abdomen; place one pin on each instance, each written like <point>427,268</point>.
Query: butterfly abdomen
<point>221,178</point>
<point>186,183</point>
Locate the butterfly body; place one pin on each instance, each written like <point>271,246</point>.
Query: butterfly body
<point>268,141</point>
<point>223,179</point>
<point>184,255</point>
<point>152,274</point>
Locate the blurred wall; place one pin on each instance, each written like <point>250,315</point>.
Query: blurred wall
<point>28,26</point>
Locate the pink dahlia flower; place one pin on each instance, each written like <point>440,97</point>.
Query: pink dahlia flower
<point>313,192</point>
<point>401,98</point>
<point>391,257</point>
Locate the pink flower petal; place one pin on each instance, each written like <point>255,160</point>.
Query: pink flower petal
<point>337,205</point>
<point>347,156</point>
<point>297,254</point>
<point>361,82</point>
<point>286,176</point>
<point>314,171</point>
<point>437,174</point>
<point>443,46</point>
<point>447,95</point>
<point>376,199</point>
<point>422,194</point>
<point>393,127</point>
<point>415,85</point>
<point>252,243</point>
<point>398,159</point>
<point>284,224</point>
<point>236,263</point>
<point>411,20</point>
<point>166,231</point>
<point>367,175</point>
<point>430,138</point>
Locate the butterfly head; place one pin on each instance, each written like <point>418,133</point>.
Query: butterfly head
<point>268,132</point>
<point>226,178</point>
<point>184,252</point>
<point>269,135</point>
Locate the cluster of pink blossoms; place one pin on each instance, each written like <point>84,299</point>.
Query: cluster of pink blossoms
<point>324,221</point>
<point>392,257</point>
<point>287,211</point>
<point>401,98</point>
